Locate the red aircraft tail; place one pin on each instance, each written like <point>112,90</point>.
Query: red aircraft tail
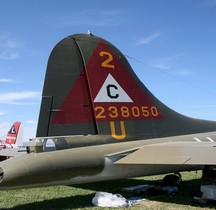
<point>15,134</point>
<point>90,89</point>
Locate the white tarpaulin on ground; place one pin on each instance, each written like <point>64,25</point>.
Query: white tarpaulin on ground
<point>105,199</point>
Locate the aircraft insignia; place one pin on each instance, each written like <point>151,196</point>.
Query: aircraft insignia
<point>111,91</point>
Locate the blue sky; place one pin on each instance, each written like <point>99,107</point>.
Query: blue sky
<point>172,45</point>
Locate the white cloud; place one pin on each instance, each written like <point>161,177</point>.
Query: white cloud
<point>184,72</point>
<point>4,80</point>
<point>4,124</point>
<point>30,122</point>
<point>15,97</point>
<point>7,55</point>
<point>4,127</point>
<point>10,44</point>
<point>8,49</point>
<point>160,65</point>
<point>148,39</point>
<point>171,65</point>
<point>165,62</point>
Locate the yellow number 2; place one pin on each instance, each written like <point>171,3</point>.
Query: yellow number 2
<point>108,59</point>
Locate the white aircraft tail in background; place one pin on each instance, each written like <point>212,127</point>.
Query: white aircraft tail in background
<point>14,140</point>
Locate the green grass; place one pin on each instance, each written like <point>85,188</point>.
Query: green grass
<point>80,196</point>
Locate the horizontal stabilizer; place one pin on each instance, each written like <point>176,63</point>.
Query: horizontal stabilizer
<point>12,152</point>
<point>173,153</point>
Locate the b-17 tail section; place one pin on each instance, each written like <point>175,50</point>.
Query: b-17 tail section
<point>91,89</point>
<point>13,143</point>
<point>104,124</point>
<point>15,134</point>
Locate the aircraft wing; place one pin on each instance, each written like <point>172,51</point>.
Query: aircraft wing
<point>12,152</point>
<point>171,153</point>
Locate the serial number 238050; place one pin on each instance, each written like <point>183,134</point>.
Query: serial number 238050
<point>125,112</point>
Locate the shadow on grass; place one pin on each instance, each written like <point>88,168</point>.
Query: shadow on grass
<point>79,201</point>
<point>72,202</point>
<point>189,190</point>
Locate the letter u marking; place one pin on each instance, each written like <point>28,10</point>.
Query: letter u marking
<point>113,130</point>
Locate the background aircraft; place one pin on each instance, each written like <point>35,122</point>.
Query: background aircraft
<point>14,140</point>
<point>104,124</point>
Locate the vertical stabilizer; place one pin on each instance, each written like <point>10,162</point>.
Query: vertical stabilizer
<point>15,134</point>
<point>90,88</point>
